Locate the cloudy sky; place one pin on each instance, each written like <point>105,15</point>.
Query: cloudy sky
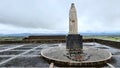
<point>52,16</point>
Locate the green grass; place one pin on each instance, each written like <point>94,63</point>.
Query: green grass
<point>112,38</point>
<point>11,38</point>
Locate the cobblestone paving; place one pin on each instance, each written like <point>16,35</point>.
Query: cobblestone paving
<point>28,55</point>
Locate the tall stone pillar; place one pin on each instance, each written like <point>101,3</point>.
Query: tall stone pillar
<point>74,40</point>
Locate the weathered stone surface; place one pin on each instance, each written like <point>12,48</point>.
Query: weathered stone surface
<point>97,57</point>
<point>73,29</point>
<point>74,42</point>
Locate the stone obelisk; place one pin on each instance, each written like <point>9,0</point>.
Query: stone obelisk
<point>73,29</point>
<point>74,40</point>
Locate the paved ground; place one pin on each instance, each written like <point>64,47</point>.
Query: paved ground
<point>28,55</point>
<point>24,55</point>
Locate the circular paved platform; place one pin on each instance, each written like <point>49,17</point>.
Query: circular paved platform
<point>58,56</point>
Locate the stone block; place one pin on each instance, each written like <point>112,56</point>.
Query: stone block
<point>74,42</point>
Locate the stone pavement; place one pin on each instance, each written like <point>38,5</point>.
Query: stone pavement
<point>28,55</point>
<point>93,56</point>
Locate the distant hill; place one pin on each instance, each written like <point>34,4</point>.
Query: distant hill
<point>27,34</point>
<point>37,34</point>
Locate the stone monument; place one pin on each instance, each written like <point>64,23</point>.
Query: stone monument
<point>73,53</point>
<point>74,40</point>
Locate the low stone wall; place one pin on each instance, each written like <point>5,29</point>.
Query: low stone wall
<point>108,43</point>
<point>32,41</point>
<point>88,40</point>
<point>105,42</point>
<point>14,42</point>
<point>101,41</point>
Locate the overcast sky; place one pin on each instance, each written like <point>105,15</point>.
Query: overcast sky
<point>47,16</point>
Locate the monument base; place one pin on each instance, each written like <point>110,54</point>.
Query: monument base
<point>92,57</point>
<point>78,56</point>
<point>74,43</point>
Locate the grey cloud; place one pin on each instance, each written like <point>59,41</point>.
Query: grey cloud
<point>53,14</point>
<point>29,13</point>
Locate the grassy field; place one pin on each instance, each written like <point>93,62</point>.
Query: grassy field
<point>11,38</point>
<point>112,38</point>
